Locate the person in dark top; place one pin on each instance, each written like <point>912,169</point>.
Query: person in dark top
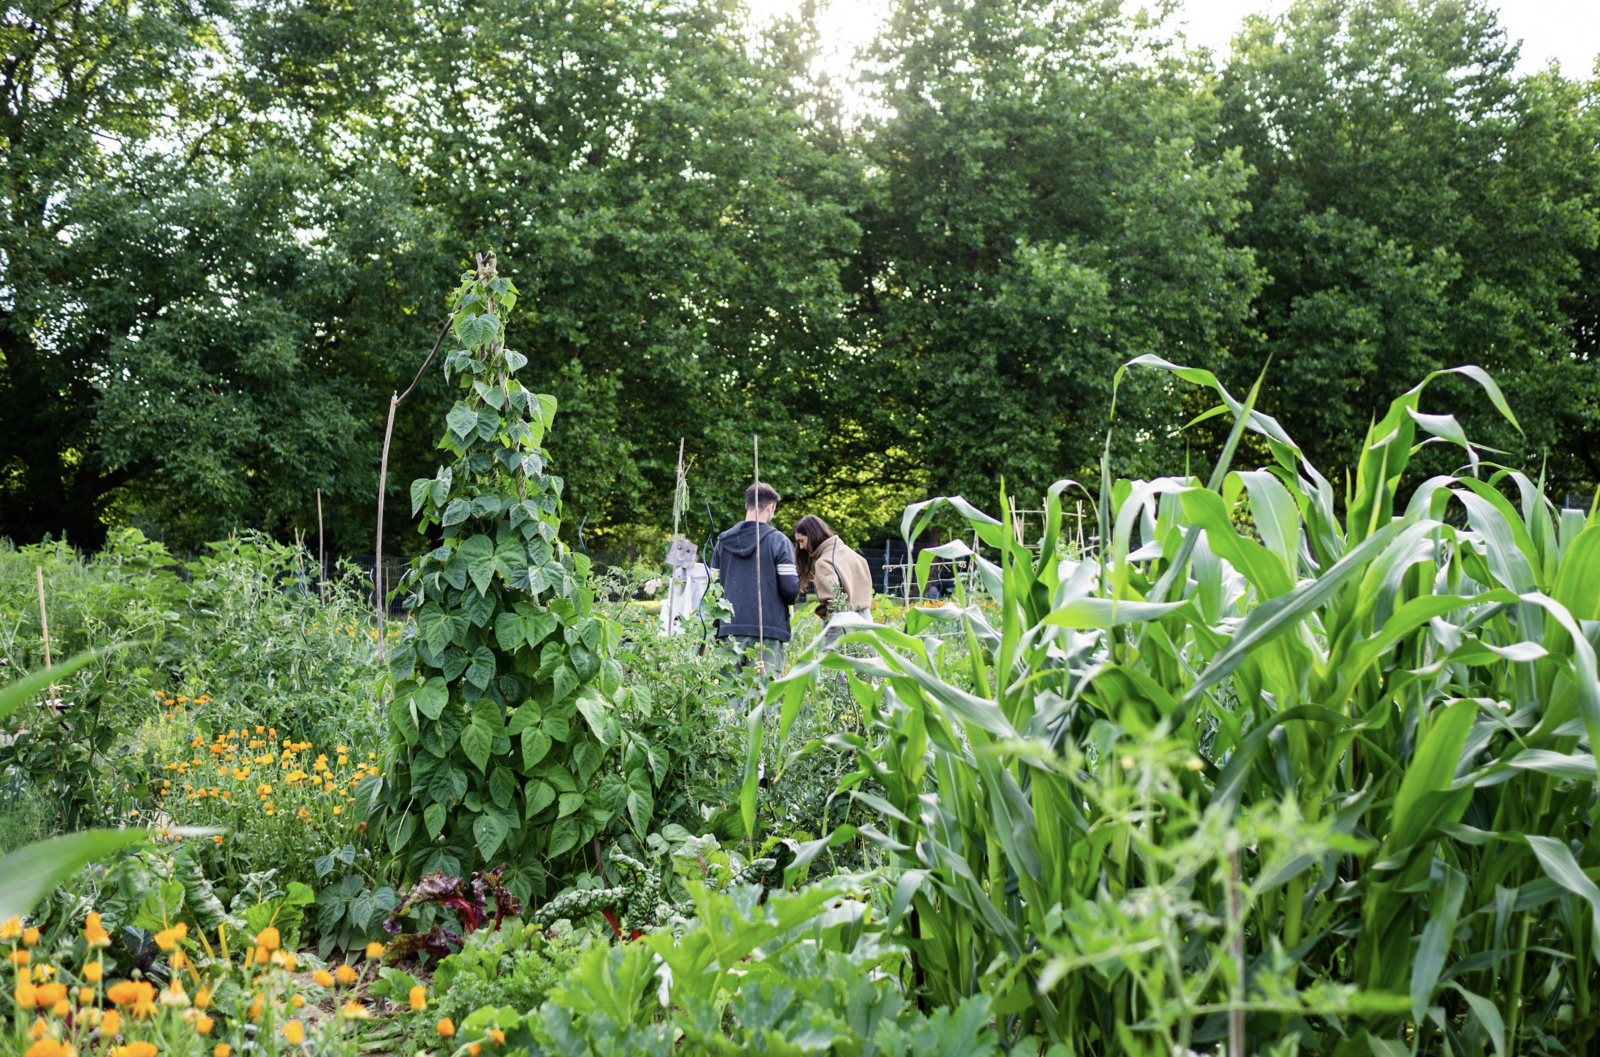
<point>755,564</point>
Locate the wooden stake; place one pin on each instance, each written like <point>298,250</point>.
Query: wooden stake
<point>677,492</point>
<point>377,557</point>
<point>1236,1039</point>
<point>44,628</point>
<point>761,624</point>
<point>322,563</point>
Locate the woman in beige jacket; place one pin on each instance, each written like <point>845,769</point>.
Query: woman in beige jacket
<point>838,574</point>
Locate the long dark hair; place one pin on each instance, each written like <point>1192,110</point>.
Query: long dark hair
<point>816,532</point>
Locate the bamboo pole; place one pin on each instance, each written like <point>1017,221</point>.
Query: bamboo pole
<point>44,628</point>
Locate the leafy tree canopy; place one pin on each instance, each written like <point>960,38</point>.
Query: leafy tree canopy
<point>227,223</point>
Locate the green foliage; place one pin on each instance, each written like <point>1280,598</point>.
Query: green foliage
<point>790,973</point>
<point>512,966</point>
<point>1038,216</point>
<point>1348,751</point>
<point>506,718</point>
<point>1434,205</point>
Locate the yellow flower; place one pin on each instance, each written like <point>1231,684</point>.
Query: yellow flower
<point>337,810</point>
<point>175,996</point>
<point>203,1024</point>
<point>178,959</point>
<point>167,939</point>
<point>323,977</point>
<point>446,1027</point>
<point>217,839</point>
<point>345,974</point>
<point>85,995</point>
<point>419,998</point>
<point>61,1008</point>
<point>269,938</point>
<point>27,995</point>
<point>11,929</point>
<point>498,1036</point>
<point>295,1032</point>
<point>298,1001</point>
<point>93,972</point>
<point>354,1010</point>
<point>474,1049</point>
<point>221,1049</point>
<point>50,994</point>
<point>30,937</point>
<point>19,957</point>
<point>202,998</point>
<point>374,950</point>
<point>261,956</point>
<point>110,1024</point>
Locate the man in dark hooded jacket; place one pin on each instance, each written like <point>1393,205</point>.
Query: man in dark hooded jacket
<point>758,580</point>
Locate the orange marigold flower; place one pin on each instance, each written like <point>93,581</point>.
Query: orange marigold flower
<point>269,938</point>
<point>374,950</point>
<point>139,994</point>
<point>295,1032</point>
<point>222,1049</point>
<point>474,1049</point>
<point>135,1049</point>
<point>110,1024</point>
<point>298,1001</point>
<point>93,934</point>
<point>26,994</point>
<point>30,936</point>
<point>323,977</point>
<point>498,1036</point>
<point>11,928</point>
<point>419,998</point>
<point>345,974</point>
<point>217,839</point>
<point>167,939</point>
<point>203,1024</point>
<point>446,1027</point>
<point>85,995</point>
<point>50,994</point>
<point>354,1010</point>
<point>49,1048</point>
<point>61,1008</point>
<point>261,956</point>
<point>93,971</point>
<point>19,957</point>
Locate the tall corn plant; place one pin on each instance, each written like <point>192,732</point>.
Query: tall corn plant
<point>1332,784</point>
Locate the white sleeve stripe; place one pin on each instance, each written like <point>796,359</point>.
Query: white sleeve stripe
<point>786,569</point>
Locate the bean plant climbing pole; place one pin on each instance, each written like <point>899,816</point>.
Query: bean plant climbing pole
<point>507,743</point>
